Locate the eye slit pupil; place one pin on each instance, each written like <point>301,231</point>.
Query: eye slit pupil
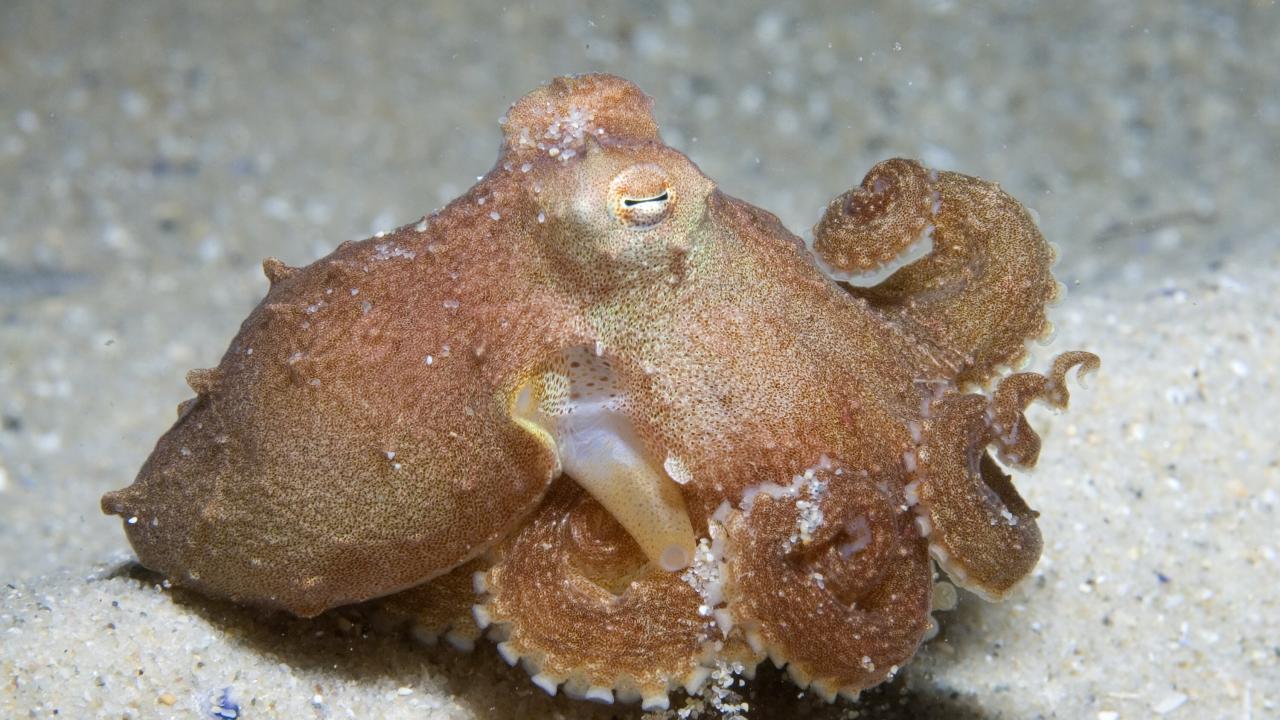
<point>632,202</point>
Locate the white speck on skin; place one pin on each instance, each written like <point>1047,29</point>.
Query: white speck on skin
<point>676,470</point>
<point>494,215</point>
<point>386,251</point>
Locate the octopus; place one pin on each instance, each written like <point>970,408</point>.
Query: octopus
<point>627,426</point>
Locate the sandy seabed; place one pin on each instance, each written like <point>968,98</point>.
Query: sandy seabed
<point>152,153</point>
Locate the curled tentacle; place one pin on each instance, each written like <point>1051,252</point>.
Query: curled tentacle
<point>840,596</point>
<point>1017,443</point>
<point>983,533</point>
<point>579,603</point>
<point>869,226</point>
<point>980,291</point>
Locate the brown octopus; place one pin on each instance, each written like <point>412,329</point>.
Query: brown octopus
<point>628,424</point>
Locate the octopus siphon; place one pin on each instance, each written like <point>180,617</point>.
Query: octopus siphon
<point>626,425</point>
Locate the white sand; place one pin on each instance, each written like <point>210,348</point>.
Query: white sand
<point>151,155</point>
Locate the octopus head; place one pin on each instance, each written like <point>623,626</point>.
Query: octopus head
<point>616,204</point>
<point>627,213</point>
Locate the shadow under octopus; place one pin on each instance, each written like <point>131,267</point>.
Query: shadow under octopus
<point>627,425</point>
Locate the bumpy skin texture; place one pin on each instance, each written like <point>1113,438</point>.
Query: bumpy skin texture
<point>368,429</point>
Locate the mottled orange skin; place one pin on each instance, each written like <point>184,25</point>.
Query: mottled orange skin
<point>360,436</point>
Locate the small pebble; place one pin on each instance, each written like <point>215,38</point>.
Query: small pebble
<point>1169,703</point>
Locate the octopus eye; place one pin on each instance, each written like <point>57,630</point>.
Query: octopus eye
<point>640,196</point>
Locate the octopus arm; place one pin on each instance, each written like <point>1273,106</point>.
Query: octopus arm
<point>980,289</point>
<point>440,608</point>
<point>840,597</point>
<point>982,532</point>
<point>575,599</point>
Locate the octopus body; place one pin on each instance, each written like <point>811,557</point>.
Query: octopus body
<point>626,425</point>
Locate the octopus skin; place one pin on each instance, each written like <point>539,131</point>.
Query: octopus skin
<point>629,427</point>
